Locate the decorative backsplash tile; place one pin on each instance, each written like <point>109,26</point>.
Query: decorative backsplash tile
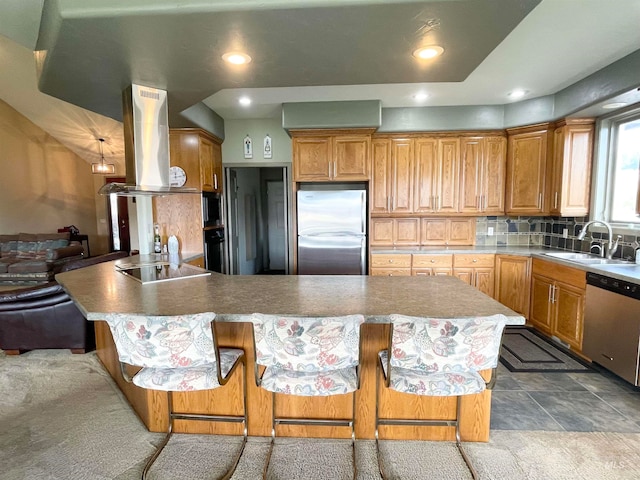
<point>548,231</point>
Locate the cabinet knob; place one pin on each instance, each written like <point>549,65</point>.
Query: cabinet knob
<point>433,260</point>
<point>391,274</point>
<point>475,260</point>
<point>390,260</point>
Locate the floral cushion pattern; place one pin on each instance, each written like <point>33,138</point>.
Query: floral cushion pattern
<point>190,378</point>
<point>308,356</point>
<point>165,342</point>
<point>443,355</point>
<point>307,344</point>
<point>449,382</point>
<point>291,382</point>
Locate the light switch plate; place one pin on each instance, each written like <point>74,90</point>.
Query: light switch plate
<point>565,232</point>
<point>490,231</point>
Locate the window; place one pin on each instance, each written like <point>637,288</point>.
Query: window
<point>626,159</point>
<point>618,170</point>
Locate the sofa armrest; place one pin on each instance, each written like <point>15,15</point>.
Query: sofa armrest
<point>64,252</point>
<point>31,293</point>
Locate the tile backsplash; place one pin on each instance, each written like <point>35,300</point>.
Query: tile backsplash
<point>547,231</point>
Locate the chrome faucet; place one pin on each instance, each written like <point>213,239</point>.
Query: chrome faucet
<point>612,245</point>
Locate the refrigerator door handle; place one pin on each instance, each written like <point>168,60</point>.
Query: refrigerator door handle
<point>363,256</point>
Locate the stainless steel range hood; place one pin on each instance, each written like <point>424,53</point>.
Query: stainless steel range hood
<point>146,141</point>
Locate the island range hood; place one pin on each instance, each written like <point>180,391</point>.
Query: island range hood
<point>146,142</point>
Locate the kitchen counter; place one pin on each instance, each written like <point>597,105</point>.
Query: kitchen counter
<point>101,288</point>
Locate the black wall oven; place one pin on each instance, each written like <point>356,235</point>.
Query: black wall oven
<point>214,249</point>
<point>211,209</point>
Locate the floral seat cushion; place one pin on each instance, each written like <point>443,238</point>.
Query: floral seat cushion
<point>184,379</point>
<point>446,383</point>
<point>320,383</point>
<point>434,356</point>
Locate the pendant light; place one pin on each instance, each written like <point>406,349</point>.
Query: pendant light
<point>103,168</point>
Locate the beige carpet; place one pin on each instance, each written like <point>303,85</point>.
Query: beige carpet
<point>62,417</point>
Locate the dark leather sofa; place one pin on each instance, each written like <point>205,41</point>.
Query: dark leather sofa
<point>44,316</point>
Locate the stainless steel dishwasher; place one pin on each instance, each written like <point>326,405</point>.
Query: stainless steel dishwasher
<point>612,325</point>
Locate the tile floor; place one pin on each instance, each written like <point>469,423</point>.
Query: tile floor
<point>576,402</point>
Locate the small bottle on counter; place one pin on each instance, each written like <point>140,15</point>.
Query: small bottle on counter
<point>157,242</point>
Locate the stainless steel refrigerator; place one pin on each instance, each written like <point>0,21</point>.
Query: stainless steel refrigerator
<point>332,232</point>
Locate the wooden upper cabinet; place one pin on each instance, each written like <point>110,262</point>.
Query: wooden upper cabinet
<point>380,191</point>
<point>199,155</point>
<point>494,172</point>
<point>328,158</point>
<point>401,175</point>
<point>448,180</point>
<point>570,180</point>
<point>426,175</point>
<point>448,231</point>
<point>311,159</point>
<point>483,162</point>
<point>526,170</point>
<point>351,157</point>
<point>395,231</point>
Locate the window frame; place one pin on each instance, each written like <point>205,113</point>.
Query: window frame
<point>603,169</point>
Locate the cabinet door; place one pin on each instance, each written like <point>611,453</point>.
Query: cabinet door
<point>426,174</point>
<point>540,313</point>
<point>513,282</point>
<point>484,280</point>
<point>381,231</point>
<point>390,272</point>
<point>401,175</point>
<point>311,158</point>
<point>471,159</point>
<point>217,167</point>
<point>406,231</point>
<point>447,181</point>
<point>461,231</point>
<point>433,231</point>
<point>380,176</point>
<point>571,181</point>
<point>526,169</point>
<point>569,314</point>
<point>206,164</point>
<point>351,157</point>
<point>493,175</point>
<point>465,274</point>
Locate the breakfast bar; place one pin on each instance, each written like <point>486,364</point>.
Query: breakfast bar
<point>101,289</point>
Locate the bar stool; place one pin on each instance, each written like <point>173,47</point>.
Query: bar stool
<point>308,356</point>
<point>438,357</point>
<point>178,354</point>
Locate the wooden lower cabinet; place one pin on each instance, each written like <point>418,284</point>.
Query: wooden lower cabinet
<point>476,270</point>
<point>390,265</point>
<point>557,301</point>
<point>432,265</point>
<point>513,282</point>
<point>197,262</point>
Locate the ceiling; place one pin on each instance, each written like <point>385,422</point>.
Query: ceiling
<point>90,50</point>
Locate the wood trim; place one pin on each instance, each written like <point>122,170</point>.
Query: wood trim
<point>319,132</point>
<point>441,134</point>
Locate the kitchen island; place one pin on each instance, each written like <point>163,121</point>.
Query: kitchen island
<point>101,289</point>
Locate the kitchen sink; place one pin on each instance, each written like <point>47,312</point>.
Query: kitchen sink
<point>588,259</point>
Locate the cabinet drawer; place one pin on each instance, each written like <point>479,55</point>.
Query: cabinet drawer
<point>391,260</point>
<point>428,261</point>
<point>473,260</point>
<point>390,272</point>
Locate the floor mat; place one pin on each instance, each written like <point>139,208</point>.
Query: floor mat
<point>525,350</point>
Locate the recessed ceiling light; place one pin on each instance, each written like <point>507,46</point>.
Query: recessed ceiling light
<point>420,96</point>
<point>609,106</point>
<point>237,58</point>
<point>519,93</point>
<point>431,51</point>
<point>244,101</point>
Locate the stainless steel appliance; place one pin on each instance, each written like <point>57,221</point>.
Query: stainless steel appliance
<point>211,209</point>
<point>612,325</point>
<point>332,230</point>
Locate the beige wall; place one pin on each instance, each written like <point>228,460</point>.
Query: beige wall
<point>43,185</point>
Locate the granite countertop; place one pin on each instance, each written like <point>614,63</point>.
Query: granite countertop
<point>629,272</point>
<point>100,289</point>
